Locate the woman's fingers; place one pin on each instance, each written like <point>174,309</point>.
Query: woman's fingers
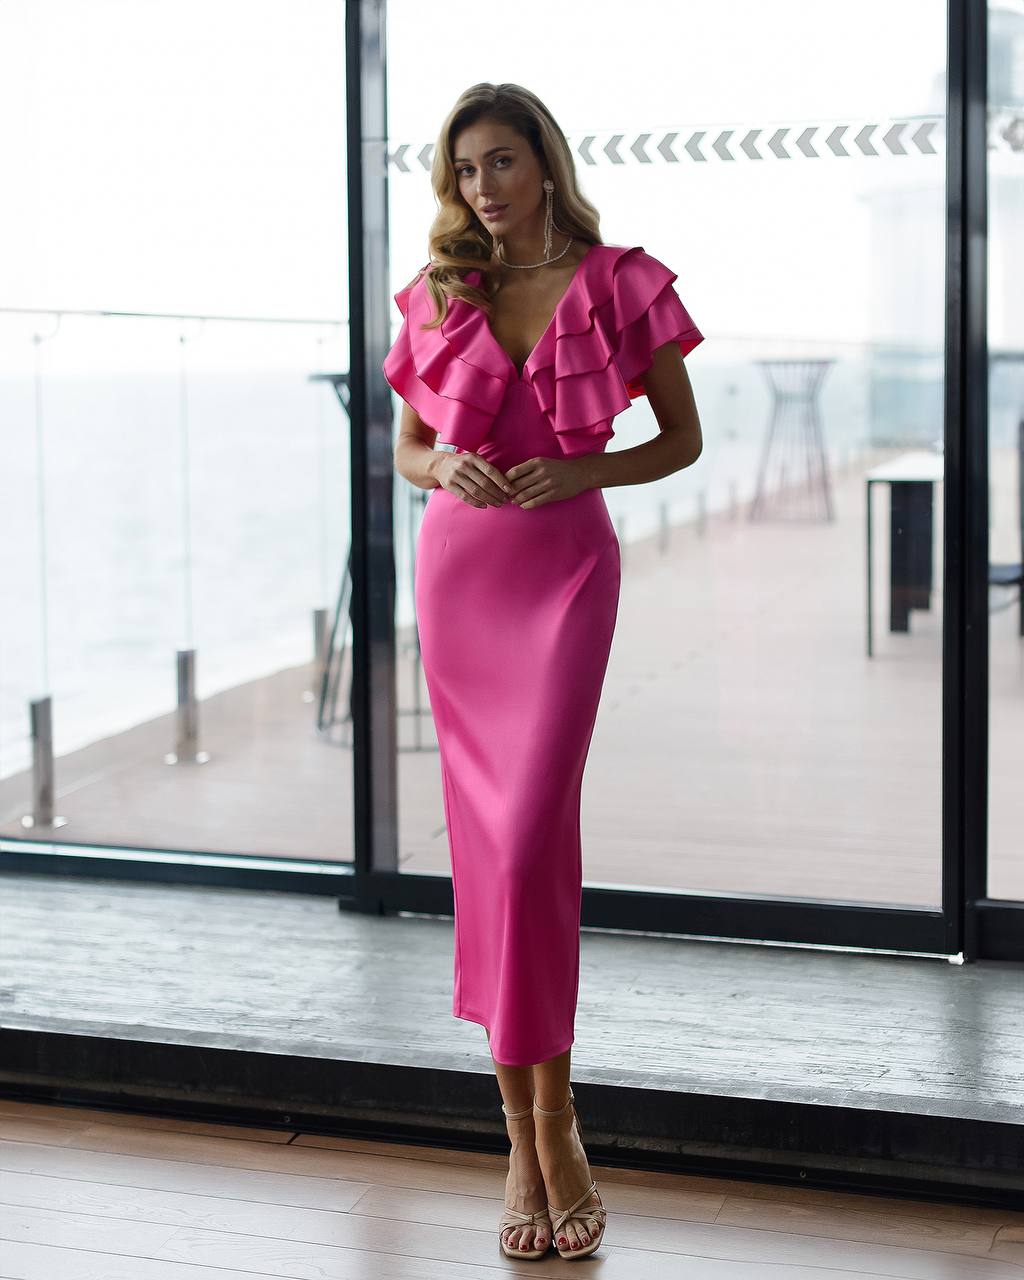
<point>480,483</point>
<point>499,478</point>
<point>485,485</point>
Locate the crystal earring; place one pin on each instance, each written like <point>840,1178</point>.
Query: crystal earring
<point>549,188</point>
<point>549,222</point>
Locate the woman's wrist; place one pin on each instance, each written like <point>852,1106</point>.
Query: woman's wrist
<point>434,460</point>
<point>587,469</point>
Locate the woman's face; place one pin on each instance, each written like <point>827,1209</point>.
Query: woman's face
<point>495,166</point>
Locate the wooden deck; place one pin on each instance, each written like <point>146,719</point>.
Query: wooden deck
<point>745,742</point>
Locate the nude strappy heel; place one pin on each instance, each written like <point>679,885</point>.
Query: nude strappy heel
<point>513,1217</point>
<point>559,1217</point>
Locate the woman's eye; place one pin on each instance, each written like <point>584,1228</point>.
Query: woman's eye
<point>466,168</point>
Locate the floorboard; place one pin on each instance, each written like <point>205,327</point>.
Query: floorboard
<point>172,1202</point>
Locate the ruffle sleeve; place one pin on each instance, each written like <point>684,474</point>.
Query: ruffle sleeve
<point>590,364</point>
<point>646,313</point>
<point>451,374</point>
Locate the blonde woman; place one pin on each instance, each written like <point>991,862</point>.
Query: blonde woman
<point>522,337</point>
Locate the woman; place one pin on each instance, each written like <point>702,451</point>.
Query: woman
<point>522,338</point>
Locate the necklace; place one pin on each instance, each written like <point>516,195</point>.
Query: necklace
<point>526,266</point>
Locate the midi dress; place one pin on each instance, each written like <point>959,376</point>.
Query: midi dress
<point>516,610</point>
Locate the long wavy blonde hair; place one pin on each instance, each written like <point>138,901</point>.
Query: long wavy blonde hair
<point>458,241</point>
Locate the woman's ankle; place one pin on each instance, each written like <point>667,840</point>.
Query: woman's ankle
<point>540,1106</point>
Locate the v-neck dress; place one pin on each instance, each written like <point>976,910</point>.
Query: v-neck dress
<point>516,610</point>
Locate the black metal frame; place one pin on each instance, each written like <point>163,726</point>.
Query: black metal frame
<point>965,633</point>
<point>969,925</point>
<point>374,701</point>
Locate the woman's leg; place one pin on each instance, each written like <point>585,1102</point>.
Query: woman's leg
<point>524,1187</point>
<point>560,1153</point>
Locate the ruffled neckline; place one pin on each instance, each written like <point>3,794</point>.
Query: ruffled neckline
<point>586,367</point>
<point>475,277</point>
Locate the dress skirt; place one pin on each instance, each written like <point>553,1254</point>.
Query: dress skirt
<point>516,611</point>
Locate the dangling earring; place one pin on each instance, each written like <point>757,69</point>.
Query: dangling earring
<point>549,188</point>
<point>549,222</point>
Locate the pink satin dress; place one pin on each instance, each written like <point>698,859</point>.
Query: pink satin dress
<point>516,610</point>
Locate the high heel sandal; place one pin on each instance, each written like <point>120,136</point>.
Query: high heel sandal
<point>559,1217</point>
<point>513,1217</point>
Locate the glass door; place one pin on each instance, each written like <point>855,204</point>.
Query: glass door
<point>768,757</point>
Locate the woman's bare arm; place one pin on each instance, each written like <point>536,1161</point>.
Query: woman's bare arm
<point>476,481</point>
<point>415,457</point>
<point>678,443</point>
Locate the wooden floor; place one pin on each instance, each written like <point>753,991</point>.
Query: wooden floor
<point>745,743</point>
<point>94,1195</point>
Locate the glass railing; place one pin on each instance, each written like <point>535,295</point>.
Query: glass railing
<point>174,536</point>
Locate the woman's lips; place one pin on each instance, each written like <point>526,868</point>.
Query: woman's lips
<point>494,213</point>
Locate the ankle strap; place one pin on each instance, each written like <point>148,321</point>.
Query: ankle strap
<point>517,1115</point>
<point>559,1110</point>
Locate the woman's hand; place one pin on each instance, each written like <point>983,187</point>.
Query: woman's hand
<point>473,479</point>
<point>540,480</point>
